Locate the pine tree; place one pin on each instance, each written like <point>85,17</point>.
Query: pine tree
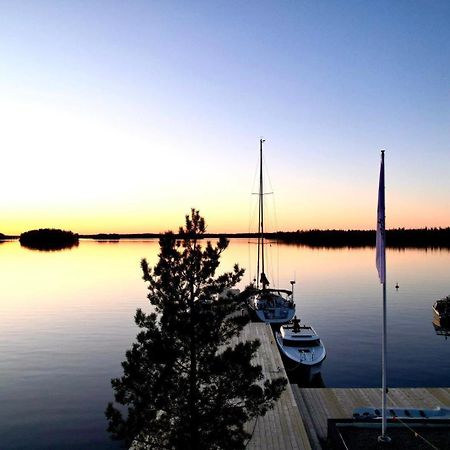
<point>184,386</point>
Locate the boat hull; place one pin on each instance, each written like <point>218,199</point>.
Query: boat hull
<point>441,310</point>
<point>307,369</point>
<point>274,316</point>
<point>273,306</point>
<point>443,316</point>
<point>301,371</point>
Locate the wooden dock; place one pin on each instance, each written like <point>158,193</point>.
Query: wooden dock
<point>317,405</point>
<point>282,428</point>
<point>300,418</point>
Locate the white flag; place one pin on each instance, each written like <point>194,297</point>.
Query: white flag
<point>381,232</point>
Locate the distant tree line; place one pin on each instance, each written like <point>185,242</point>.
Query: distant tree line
<point>117,236</point>
<point>397,238</point>
<point>6,237</point>
<point>48,239</point>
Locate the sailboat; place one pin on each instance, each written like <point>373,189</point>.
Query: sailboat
<point>273,306</point>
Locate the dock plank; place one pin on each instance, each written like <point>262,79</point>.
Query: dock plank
<point>441,395</point>
<point>316,406</point>
<point>281,428</point>
<point>307,418</point>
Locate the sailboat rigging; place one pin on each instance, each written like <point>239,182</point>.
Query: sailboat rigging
<point>273,306</point>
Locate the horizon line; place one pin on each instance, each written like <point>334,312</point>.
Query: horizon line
<point>232,234</point>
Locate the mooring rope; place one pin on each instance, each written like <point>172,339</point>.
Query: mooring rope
<point>416,434</point>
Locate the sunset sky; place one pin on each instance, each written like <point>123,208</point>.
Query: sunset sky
<point>121,116</point>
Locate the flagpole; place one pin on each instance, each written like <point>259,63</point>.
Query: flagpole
<point>381,265</point>
<point>384,437</point>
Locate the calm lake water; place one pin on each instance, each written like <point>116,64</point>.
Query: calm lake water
<point>66,320</point>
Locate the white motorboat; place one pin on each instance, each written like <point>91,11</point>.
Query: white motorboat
<point>272,306</point>
<point>301,347</point>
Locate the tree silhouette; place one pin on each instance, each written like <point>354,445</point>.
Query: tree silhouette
<point>184,385</point>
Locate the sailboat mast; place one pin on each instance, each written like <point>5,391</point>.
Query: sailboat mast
<point>261,214</point>
<point>259,220</point>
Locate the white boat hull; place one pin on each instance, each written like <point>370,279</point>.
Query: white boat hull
<point>303,359</point>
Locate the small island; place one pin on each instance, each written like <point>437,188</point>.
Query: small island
<point>48,239</point>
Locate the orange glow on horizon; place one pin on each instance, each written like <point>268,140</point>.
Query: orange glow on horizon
<point>143,213</point>
<point>217,222</point>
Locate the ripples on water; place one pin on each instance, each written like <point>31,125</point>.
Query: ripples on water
<point>66,319</point>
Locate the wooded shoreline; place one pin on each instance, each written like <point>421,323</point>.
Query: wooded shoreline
<point>395,238</point>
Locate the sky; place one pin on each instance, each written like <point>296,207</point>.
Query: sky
<point>122,116</point>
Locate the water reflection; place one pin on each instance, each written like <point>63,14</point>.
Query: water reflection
<point>52,248</point>
<point>66,319</point>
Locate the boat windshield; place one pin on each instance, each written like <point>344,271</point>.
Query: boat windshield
<point>308,343</point>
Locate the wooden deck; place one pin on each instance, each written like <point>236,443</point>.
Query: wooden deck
<point>299,419</point>
<point>316,405</point>
<point>281,428</point>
